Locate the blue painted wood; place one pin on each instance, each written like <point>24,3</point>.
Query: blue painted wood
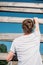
<point>22,0</point>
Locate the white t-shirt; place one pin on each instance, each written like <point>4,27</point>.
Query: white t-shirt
<point>27,48</point>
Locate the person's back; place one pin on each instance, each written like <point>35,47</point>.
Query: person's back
<point>27,46</point>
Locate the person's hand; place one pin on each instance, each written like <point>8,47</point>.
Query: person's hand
<point>35,19</point>
<point>9,56</point>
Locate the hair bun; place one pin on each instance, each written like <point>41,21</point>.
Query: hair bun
<point>28,25</point>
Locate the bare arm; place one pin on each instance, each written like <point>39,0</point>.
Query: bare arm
<point>36,24</point>
<point>9,56</point>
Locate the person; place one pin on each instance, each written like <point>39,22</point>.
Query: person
<point>27,46</point>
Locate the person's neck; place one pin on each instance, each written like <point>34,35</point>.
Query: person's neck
<point>27,33</point>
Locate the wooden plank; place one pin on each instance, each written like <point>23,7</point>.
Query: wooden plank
<point>16,19</point>
<point>21,4</point>
<point>4,55</point>
<point>41,38</point>
<point>9,36</point>
<point>12,36</point>
<point>42,57</point>
<point>25,10</point>
<point>14,63</point>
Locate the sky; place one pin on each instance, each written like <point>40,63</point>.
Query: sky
<point>17,28</point>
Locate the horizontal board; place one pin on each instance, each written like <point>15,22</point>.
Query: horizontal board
<point>14,63</point>
<point>16,19</point>
<point>26,10</point>
<point>12,36</point>
<point>21,4</point>
<point>4,55</point>
<point>9,36</point>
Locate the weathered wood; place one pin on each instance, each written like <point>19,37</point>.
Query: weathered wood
<point>9,36</point>
<point>42,57</point>
<point>16,19</point>
<point>4,55</point>
<point>41,38</point>
<point>13,63</point>
<point>21,4</point>
<point>12,36</point>
<point>26,10</point>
